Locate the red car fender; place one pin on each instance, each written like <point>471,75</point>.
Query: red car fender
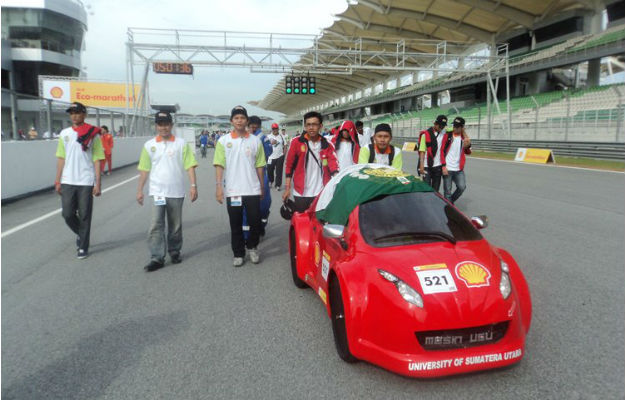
<point>520,286</point>
<point>300,223</point>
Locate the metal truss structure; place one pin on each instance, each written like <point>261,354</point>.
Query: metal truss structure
<point>360,59</point>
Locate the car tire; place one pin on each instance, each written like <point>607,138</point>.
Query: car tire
<point>337,313</point>
<point>293,255</point>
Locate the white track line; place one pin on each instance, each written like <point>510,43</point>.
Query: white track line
<point>548,165</point>
<point>51,213</point>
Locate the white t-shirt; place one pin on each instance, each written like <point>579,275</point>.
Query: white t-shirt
<point>314,178</point>
<point>78,169</point>
<point>365,139</point>
<point>240,156</point>
<point>344,155</point>
<point>278,146</point>
<point>437,156</point>
<point>167,161</point>
<point>453,155</point>
<point>383,158</point>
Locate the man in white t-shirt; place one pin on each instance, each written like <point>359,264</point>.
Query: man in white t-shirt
<point>240,159</point>
<point>381,151</point>
<point>275,163</point>
<point>365,137</point>
<point>78,174</point>
<point>455,146</point>
<point>165,159</point>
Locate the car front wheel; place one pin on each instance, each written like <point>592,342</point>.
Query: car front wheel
<point>293,253</point>
<point>337,313</point>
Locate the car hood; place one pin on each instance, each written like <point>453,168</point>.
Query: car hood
<point>474,268</point>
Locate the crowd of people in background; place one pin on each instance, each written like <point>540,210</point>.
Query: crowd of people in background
<point>248,164</point>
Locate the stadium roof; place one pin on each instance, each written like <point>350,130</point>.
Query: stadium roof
<point>464,22</point>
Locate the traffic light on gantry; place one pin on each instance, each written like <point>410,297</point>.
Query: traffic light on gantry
<point>297,85</point>
<point>288,85</point>
<point>312,88</point>
<point>304,85</point>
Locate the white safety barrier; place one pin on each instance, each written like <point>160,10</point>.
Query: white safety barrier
<point>29,166</point>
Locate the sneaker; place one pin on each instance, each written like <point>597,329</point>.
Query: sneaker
<point>254,256</point>
<point>153,266</point>
<point>238,261</point>
<point>176,259</point>
<point>82,254</point>
<point>278,188</point>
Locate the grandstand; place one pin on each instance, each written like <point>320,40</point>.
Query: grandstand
<point>559,52</point>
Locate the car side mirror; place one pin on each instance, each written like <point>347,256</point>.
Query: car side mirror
<point>332,231</point>
<point>480,221</point>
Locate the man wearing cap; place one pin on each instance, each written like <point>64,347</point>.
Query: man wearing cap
<point>165,159</point>
<point>310,163</point>
<point>78,174</point>
<point>254,126</point>
<point>275,163</point>
<point>430,142</point>
<point>455,145</point>
<point>240,159</point>
<point>381,151</point>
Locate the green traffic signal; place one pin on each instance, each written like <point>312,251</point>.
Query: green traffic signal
<point>304,91</point>
<point>296,91</point>
<point>288,90</point>
<point>312,90</point>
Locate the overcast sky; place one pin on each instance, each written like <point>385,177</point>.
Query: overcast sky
<point>211,90</point>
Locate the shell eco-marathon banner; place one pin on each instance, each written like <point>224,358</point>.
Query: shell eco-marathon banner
<point>93,94</point>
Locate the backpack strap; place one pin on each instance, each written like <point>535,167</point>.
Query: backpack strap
<point>391,155</point>
<point>371,153</point>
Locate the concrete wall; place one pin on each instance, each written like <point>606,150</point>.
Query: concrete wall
<point>31,166</point>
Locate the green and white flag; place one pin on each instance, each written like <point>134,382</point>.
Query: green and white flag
<point>360,183</point>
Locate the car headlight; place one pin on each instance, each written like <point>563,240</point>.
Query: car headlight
<point>505,287</point>
<point>406,292</point>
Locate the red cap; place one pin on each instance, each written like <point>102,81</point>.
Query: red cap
<point>274,126</point>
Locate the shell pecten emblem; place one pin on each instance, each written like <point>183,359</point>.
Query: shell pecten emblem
<point>473,274</point>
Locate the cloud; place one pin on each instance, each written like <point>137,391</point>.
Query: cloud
<point>212,90</point>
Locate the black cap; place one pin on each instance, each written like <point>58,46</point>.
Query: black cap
<point>383,127</point>
<point>441,120</point>
<point>76,107</point>
<point>255,119</point>
<point>163,116</point>
<point>287,209</point>
<point>238,110</point>
<point>458,122</point>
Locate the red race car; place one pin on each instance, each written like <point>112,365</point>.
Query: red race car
<point>409,282</point>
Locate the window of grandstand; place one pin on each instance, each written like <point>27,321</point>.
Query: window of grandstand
<point>616,11</point>
<point>561,28</point>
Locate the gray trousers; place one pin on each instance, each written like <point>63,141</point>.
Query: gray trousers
<point>158,243</point>
<point>77,203</point>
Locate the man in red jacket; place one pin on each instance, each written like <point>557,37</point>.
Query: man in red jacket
<point>454,147</point>
<point>310,163</point>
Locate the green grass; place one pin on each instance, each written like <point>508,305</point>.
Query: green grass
<point>561,160</point>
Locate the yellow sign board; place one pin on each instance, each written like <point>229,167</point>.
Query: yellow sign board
<point>535,156</point>
<point>409,146</point>
<point>94,94</point>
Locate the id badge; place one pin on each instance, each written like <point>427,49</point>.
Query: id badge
<point>159,200</point>
<point>235,201</point>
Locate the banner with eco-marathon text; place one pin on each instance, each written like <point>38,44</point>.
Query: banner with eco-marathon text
<point>360,183</point>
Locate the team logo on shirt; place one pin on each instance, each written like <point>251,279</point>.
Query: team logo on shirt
<point>153,149</point>
<point>303,149</point>
<point>229,145</point>
<point>324,162</point>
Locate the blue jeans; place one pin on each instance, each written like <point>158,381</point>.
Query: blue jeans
<point>159,245</point>
<point>458,178</point>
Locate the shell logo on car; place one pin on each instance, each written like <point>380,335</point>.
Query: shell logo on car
<point>473,274</point>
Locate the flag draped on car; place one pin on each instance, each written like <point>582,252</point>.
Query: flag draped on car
<point>360,183</point>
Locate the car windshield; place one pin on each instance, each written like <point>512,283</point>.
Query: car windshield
<point>410,218</point>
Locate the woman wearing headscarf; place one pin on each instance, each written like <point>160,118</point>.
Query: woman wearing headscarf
<point>346,145</point>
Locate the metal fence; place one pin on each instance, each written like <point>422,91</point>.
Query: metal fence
<point>26,117</point>
<point>593,115</point>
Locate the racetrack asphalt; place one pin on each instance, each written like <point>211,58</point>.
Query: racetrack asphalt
<point>102,328</point>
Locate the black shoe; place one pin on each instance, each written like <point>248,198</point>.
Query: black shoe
<point>176,259</point>
<point>82,254</point>
<point>153,266</point>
